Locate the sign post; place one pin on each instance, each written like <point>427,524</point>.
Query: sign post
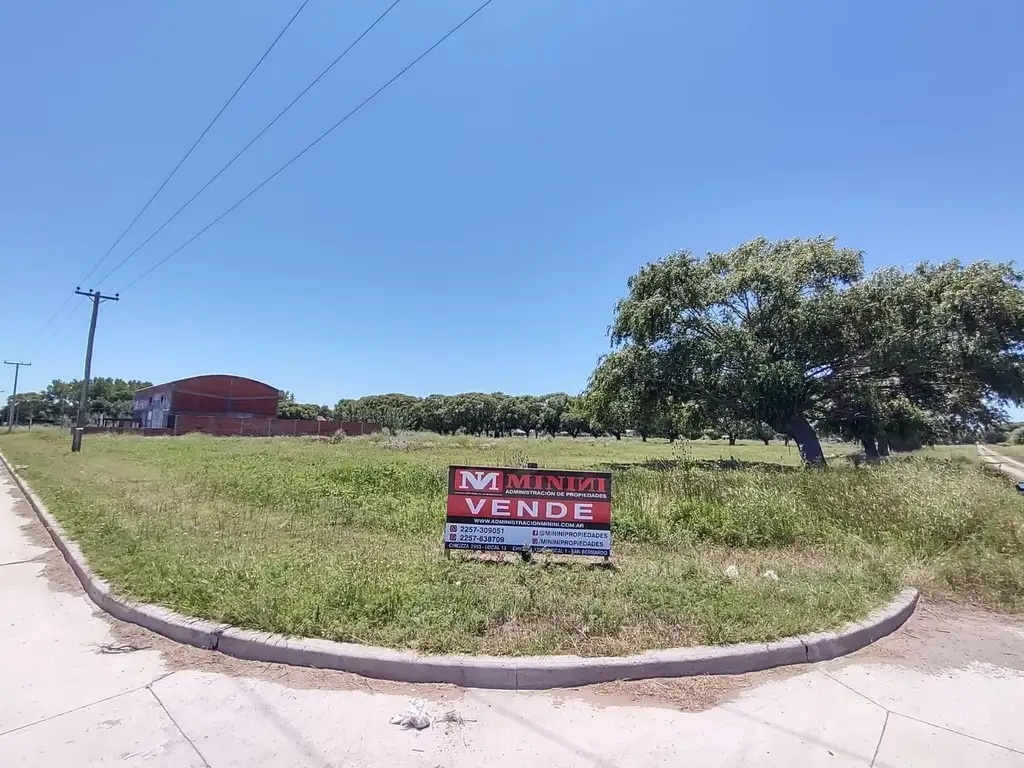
<point>527,554</point>
<point>565,512</point>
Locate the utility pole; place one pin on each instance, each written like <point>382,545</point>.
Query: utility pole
<point>97,297</point>
<point>14,395</point>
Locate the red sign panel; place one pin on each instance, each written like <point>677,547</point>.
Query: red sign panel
<point>560,511</point>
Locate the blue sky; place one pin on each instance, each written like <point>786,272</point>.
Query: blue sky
<point>471,229</point>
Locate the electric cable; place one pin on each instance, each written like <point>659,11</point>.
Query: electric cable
<point>252,141</point>
<point>308,147</point>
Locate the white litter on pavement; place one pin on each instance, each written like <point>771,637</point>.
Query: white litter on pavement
<point>416,716</point>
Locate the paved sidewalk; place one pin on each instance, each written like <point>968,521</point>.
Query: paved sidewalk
<point>80,689</point>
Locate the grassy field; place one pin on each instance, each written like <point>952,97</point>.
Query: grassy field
<point>1010,451</point>
<point>963,453</point>
<point>343,540</point>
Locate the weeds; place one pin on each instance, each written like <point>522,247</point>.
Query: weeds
<point>343,540</point>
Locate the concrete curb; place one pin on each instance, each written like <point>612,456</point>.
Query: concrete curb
<point>528,672</point>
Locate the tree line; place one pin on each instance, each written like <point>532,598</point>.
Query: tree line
<point>108,399</point>
<point>474,413</point>
<point>791,339</point>
<point>500,415</point>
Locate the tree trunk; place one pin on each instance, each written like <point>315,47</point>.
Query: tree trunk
<point>870,448</point>
<point>732,439</point>
<point>806,441</point>
<point>643,438</point>
<point>883,446</point>
<point>767,440</point>
<point>618,435</point>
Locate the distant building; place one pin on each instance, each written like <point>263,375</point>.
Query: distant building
<point>222,405</point>
<point>160,406</point>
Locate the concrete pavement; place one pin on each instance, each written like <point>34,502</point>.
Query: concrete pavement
<point>80,689</point>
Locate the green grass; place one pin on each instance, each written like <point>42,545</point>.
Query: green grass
<point>343,540</point>
<point>966,453</point>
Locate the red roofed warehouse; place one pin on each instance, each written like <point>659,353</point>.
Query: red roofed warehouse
<point>225,405</point>
<point>218,395</point>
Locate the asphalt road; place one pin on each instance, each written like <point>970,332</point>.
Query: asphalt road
<point>80,689</point>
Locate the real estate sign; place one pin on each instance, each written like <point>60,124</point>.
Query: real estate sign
<point>514,510</point>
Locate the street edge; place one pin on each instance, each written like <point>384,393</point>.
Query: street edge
<point>511,673</point>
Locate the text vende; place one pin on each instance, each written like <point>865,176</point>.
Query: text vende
<point>530,509</point>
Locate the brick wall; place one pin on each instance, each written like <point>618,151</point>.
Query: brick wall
<point>260,427</point>
<point>226,426</point>
<point>145,431</point>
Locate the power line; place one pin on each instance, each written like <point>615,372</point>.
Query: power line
<point>65,321</point>
<point>53,317</point>
<point>181,162</point>
<point>13,400</point>
<point>252,141</point>
<point>195,144</point>
<point>309,146</point>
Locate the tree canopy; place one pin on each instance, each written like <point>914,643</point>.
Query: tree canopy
<point>474,413</point>
<point>108,399</point>
<point>794,335</point>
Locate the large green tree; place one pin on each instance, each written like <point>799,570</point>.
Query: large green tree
<point>743,333</point>
<point>575,420</point>
<point>393,411</point>
<point>302,411</point>
<point>613,399</point>
<point>788,332</point>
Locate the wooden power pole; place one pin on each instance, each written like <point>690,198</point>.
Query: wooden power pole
<point>97,297</point>
<point>14,395</point>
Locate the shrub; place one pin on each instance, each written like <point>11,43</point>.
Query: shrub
<point>993,436</point>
